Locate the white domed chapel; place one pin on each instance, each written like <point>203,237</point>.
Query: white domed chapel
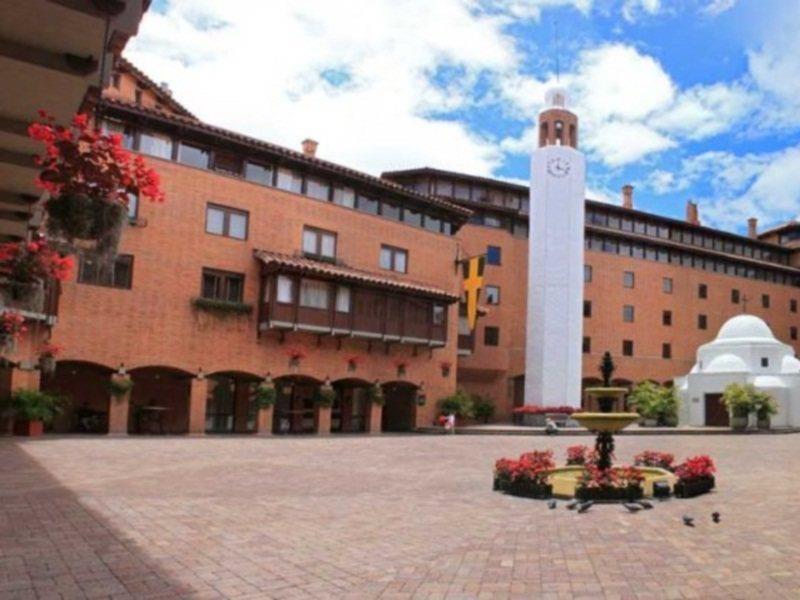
<point>744,351</point>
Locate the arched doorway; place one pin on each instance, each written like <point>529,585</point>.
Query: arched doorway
<point>85,388</point>
<point>351,408</point>
<point>159,400</point>
<point>229,405</point>
<point>400,408</point>
<point>295,404</point>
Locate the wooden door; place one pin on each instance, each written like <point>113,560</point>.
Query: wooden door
<point>716,413</point>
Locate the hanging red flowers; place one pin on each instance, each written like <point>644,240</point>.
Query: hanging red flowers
<point>28,262</point>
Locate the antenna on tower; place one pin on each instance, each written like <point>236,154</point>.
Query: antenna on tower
<point>555,45</point>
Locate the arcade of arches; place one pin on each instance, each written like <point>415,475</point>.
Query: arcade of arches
<point>166,400</point>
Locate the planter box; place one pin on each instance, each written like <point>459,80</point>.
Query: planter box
<point>609,494</point>
<point>28,428</point>
<point>527,489</point>
<point>650,422</point>
<point>500,485</point>
<point>533,420</point>
<point>763,423</point>
<point>738,423</point>
<point>689,488</point>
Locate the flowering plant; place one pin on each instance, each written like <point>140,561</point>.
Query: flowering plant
<point>353,362</point>
<point>49,350</point>
<point>28,262</point>
<point>532,467</point>
<point>652,458</point>
<point>445,366</point>
<point>12,325</point>
<point>541,410</point>
<point>296,353</point>
<point>577,455</point>
<point>80,160</point>
<point>696,467</point>
<point>617,477</point>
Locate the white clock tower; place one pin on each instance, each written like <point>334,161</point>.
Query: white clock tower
<point>555,260</point>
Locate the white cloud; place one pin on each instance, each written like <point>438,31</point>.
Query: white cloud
<point>631,9</point>
<point>285,71</point>
<point>717,7</point>
<point>532,9</point>
<point>620,143</point>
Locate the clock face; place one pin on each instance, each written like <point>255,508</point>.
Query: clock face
<point>558,167</point>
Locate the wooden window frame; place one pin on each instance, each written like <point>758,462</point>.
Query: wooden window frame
<point>81,277</point>
<point>394,250</point>
<point>225,276</point>
<point>318,233</point>
<point>226,221</point>
<point>493,329</point>
<point>494,287</point>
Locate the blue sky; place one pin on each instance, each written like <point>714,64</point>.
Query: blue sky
<point>683,98</point>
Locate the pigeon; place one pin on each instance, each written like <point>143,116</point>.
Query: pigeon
<point>632,507</point>
<point>645,504</point>
<point>572,504</point>
<point>715,517</point>
<point>688,521</point>
<point>551,504</point>
<point>585,506</point>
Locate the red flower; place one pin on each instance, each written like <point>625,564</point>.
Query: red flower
<point>652,458</point>
<point>49,349</point>
<point>12,324</point>
<point>354,360</point>
<point>529,409</point>
<point>27,262</point>
<point>296,353</point>
<point>577,455</point>
<point>696,467</point>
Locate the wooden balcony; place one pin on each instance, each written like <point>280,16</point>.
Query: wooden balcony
<point>35,301</point>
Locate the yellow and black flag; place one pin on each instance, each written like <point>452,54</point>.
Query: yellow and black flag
<point>472,270</point>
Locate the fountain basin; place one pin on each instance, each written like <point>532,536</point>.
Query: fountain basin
<point>605,422</point>
<point>565,480</point>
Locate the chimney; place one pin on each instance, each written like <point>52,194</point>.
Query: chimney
<point>309,147</point>
<point>627,196</point>
<point>752,228</point>
<point>692,215</point>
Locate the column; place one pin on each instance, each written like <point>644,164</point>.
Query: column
<point>25,377</point>
<point>198,396</point>
<point>119,408</point>
<point>374,418</point>
<point>264,422</point>
<point>322,420</point>
<point>241,406</point>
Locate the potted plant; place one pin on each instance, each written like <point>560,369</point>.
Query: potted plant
<point>460,404</point>
<point>265,394</point>
<point>89,177</point>
<point>647,399</point>
<point>422,397</point>
<point>12,326</point>
<point>695,476</point>
<point>653,458</point>
<point>527,476</point>
<point>445,366</point>
<point>483,408</point>
<point>119,386</point>
<point>401,365</point>
<point>28,265</point>
<point>326,395</point>
<point>295,356</point>
<point>32,409</point>
<point>614,484</point>
<point>375,394</point>
<point>353,362</point>
<point>765,407</point>
<point>740,400</point>
<point>577,454</point>
<point>47,358</point>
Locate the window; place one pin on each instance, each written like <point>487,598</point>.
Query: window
<point>587,345</point>
<point>344,196</point>
<point>192,156</point>
<point>222,285</point>
<point>94,271</point>
<point>666,350</point>
<point>702,291</point>
<point>491,336</point>
<point>627,347</point>
<point>314,294</point>
<point>228,222</point>
<point>285,291</point>
<point>793,306</point>
<point>628,279</point>
<point>587,273</point>
<point>765,300</point>
<point>258,173</point>
<point>494,255</point>
<point>137,96</point>
<point>289,180</point>
<point>115,80</point>
<point>319,243</point>
<point>492,221</point>
<point>342,299</point>
<point>666,318</point>
<point>122,130</point>
<point>587,308</point>
<point>390,210</point>
<point>702,322</point>
<point>394,259</point>
<point>627,313</point>
<point>367,205</point>
<point>793,333</point>
<point>318,189</point>
<point>432,223</point>
<point>764,362</point>
<point>438,314</point>
<point>666,285</point>
<point>492,294</point>
<point>412,217</point>
<point>133,206</point>
<point>735,296</point>
<point>156,145</point>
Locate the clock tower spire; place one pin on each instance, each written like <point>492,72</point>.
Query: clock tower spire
<point>554,335</point>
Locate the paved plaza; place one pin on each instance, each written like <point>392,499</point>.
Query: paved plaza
<point>383,517</point>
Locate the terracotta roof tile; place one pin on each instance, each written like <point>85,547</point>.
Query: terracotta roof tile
<point>301,264</point>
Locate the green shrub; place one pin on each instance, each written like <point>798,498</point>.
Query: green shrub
<point>460,404</point>
<point>483,408</point>
<point>33,405</point>
<point>326,395</point>
<point>741,399</point>
<point>653,401</point>
<point>376,394</point>
<point>120,386</point>
<point>265,395</point>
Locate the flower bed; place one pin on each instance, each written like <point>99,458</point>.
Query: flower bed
<point>695,476</point>
<point>527,476</point>
<point>615,484</point>
<point>689,488</point>
<point>543,410</point>
<point>653,458</point>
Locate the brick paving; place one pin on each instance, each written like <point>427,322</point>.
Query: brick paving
<point>385,517</point>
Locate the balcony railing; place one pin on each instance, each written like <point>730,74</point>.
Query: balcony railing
<point>37,301</point>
